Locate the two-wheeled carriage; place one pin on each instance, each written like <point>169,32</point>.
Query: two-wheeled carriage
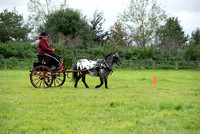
<point>45,75</point>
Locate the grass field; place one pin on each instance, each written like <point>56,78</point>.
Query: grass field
<point>131,105</point>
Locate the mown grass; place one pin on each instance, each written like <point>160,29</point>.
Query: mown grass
<point>131,105</point>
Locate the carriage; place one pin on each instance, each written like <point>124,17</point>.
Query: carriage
<point>45,75</point>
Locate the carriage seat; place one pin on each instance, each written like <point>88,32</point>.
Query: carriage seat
<point>43,59</point>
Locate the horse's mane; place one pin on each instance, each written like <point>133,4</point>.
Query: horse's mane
<point>109,55</point>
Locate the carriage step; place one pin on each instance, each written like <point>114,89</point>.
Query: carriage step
<point>55,68</point>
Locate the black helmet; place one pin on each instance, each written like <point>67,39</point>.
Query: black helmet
<point>44,34</point>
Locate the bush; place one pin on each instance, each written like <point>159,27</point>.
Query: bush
<point>25,50</point>
<point>192,52</point>
<point>22,50</point>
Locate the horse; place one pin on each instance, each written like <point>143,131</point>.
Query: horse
<point>100,68</point>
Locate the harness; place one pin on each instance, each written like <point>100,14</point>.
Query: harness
<point>101,63</point>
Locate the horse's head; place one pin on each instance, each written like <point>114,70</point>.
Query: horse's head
<point>116,59</point>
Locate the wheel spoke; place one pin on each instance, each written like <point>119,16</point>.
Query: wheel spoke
<point>47,75</point>
<point>37,82</point>
<point>36,75</point>
<point>43,83</point>
<point>36,79</point>
<point>40,83</point>
<point>60,79</point>
<point>46,83</point>
<point>40,70</point>
<point>57,81</point>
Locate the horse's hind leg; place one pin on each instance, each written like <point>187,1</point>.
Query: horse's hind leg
<point>77,79</point>
<point>83,79</point>
<point>101,83</point>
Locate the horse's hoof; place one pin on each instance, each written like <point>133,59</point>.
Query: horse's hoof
<point>97,87</point>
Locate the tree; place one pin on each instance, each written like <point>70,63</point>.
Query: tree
<point>142,18</point>
<point>195,37</point>
<point>171,35</point>
<point>12,27</point>
<point>99,33</point>
<point>192,51</point>
<point>39,10</point>
<point>68,22</point>
<point>119,36</point>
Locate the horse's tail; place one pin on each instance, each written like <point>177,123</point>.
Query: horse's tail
<point>75,74</point>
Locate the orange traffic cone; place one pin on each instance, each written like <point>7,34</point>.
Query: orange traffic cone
<point>154,81</point>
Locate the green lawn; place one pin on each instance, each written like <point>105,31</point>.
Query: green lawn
<point>131,105</point>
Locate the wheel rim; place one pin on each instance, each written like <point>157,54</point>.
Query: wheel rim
<point>41,77</point>
<point>58,79</point>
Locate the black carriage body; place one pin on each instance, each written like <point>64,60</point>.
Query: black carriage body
<point>49,62</point>
<point>43,60</point>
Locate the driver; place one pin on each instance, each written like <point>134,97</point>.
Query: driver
<point>45,48</point>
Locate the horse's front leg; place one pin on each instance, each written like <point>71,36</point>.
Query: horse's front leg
<point>83,79</point>
<point>101,83</point>
<point>106,81</point>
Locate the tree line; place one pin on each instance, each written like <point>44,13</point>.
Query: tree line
<point>142,31</point>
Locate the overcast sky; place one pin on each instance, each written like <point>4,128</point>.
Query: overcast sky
<point>187,11</point>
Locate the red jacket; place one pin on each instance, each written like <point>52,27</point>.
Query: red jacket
<point>44,46</point>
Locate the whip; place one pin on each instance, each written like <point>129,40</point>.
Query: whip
<point>64,42</point>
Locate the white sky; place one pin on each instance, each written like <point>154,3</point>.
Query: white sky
<point>187,11</point>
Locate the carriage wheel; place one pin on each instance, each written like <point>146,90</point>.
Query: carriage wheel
<point>58,79</point>
<point>41,76</point>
